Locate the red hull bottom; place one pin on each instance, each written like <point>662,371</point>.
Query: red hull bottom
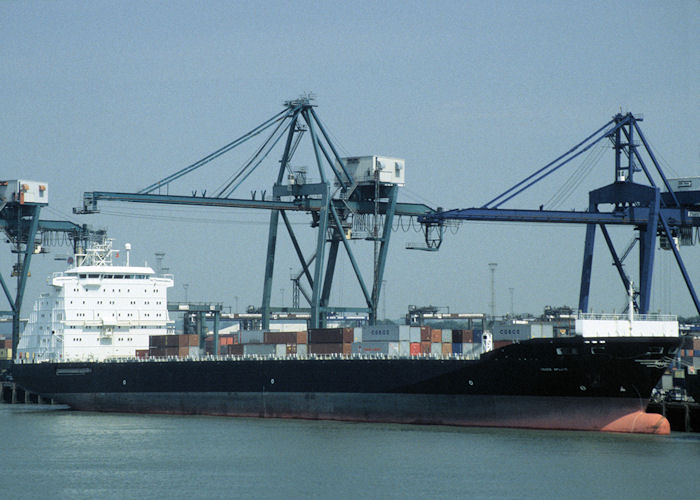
<point>530,412</point>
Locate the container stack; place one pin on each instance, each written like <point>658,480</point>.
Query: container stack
<point>466,342</point>
<point>182,346</point>
<point>331,340</point>
<point>388,340</point>
<point>260,343</point>
<point>690,356</point>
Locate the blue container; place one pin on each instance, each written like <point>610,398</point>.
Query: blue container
<point>478,336</point>
<point>457,348</point>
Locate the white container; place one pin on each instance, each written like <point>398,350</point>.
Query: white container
<point>365,169</point>
<point>281,350</point>
<point>24,191</point>
<point>357,334</point>
<point>446,336</point>
<point>414,334</point>
<point>436,348</point>
<point>302,350</point>
<point>259,349</point>
<point>384,348</point>
<point>252,337</point>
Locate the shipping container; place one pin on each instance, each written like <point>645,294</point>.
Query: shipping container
<point>357,334</point>
<point>435,336</point>
<point>414,334</point>
<point>252,337</point>
<point>510,331</point>
<point>325,348</point>
<point>462,336</point>
<point>347,347</point>
<point>457,348</point>
<point>447,347</point>
<point>478,336</point>
<point>436,348</point>
<point>696,344</point>
<point>386,333</point>
<point>425,347</point>
<point>348,335</point>
<point>446,336</point>
<point>385,348</point>
<point>291,348</point>
<point>541,331</point>
<point>156,341</point>
<point>280,337</point>
<point>425,334</point>
<point>471,348</point>
<point>281,350</point>
<point>302,350</point>
<point>235,350</point>
<point>258,349</point>
<point>497,344</point>
<point>302,338</point>
<point>326,336</point>
<point>415,347</point>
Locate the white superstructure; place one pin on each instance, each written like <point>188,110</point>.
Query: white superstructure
<point>97,310</point>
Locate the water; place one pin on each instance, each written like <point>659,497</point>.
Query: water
<point>50,453</point>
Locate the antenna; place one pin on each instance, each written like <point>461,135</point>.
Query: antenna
<point>492,267</point>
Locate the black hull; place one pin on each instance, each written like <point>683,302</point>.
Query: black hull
<point>542,383</point>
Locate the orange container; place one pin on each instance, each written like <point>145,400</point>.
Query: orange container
<point>415,349</point>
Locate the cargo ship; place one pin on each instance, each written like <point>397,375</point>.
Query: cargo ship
<point>598,379</point>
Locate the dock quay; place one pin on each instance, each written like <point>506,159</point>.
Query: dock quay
<point>14,394</point>
<point>683,416</point>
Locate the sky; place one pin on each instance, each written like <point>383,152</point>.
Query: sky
<point>475,96</point>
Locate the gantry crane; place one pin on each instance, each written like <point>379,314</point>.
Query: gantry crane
<point>20,206</point>
<point>673,214</point>
<point>348,188</point>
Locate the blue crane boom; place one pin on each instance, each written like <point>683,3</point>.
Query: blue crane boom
<point>652,213</point>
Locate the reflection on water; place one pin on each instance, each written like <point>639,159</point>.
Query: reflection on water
<point>90,455</point>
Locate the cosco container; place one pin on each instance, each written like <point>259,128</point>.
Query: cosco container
<point>386,333</point>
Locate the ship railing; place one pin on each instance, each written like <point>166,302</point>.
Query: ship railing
<point>290,357</point>
<point>624,317</point>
